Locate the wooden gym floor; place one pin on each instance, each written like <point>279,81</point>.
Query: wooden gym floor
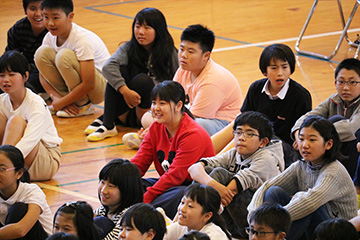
<point>242,29</point>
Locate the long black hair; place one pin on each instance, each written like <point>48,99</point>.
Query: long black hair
<point>162,48</point>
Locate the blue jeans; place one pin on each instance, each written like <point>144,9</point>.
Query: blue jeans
<point>298,227</point>
<point>213,125</point>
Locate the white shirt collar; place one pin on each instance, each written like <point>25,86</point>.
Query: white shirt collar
<point>280,94</point>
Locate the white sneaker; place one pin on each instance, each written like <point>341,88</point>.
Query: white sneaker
<point>132,140</point>
<point>101,133</point>
<point>87,109</point>
<point>93,126</point>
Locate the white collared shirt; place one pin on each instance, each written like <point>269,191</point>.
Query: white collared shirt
<point>281,94</point>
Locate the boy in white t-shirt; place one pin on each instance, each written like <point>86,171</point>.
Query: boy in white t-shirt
<point>70,60</point>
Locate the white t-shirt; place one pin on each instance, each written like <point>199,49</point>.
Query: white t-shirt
<point>175,231</point>
<point>86,45</point>
<point>40,125</point>
<point>29,193</point>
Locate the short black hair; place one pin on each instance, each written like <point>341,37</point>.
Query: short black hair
<point>199,34</point>
<point>277,52</point>
<point>272,215</point>
<point>256,120</point>
<point>145,217</point>
<point>66,5</point>
<point>26,3</point>
<point>334,229</point>
<point>14,61</point>
<point>349,64</point>
<point>195,235</point>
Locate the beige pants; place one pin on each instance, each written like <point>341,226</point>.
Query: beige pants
<point>62,71</point>
<point>45,164</point>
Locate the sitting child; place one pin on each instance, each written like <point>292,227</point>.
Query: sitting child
<point>237,173</point>
<point>70,60</point>
<point>25,120</point>
<point>199,210</point>
<point>335,229</point>
<point>315,188</point>
<point>279,97</point>
<point>25,36</point>
<point>76,218</point>
<point>269,220</point>
<point>343,110</point>
<point>24,212</point>
<point>119,187</point>
<point>142,221</point>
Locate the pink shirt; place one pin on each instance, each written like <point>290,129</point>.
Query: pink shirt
<point>215,93</point>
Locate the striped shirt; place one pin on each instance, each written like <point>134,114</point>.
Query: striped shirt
<point>21,38</point>
<point>116,218</point>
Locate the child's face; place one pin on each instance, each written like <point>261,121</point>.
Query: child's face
<point>246,143</point>
<point>144,34</point>
<point>312,145</point>
<point>132,233</point>
<point>65,223</point>
<point>348,93</point>
<point>8,177</point>
<point>262,229</point>
<point>110,195</point>
<point>12,82</point>
<point>57,22</point>
<point>278,73</point>
<point>163,111</point>
<point>190,214</point>
<point>34,14</point>
<point>191,57</point>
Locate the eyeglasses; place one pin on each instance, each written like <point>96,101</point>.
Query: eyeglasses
<point>4,170</point>
<point>246,134</point>
<point>251,231</point>
<point>350,83</point>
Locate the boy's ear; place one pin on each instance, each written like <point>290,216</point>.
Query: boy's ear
<point>263,142</point>
<point>71,16</point>
<point>281,236</point>
<point>150,234</point>
<point>26,76</point>
<point>207,55</point>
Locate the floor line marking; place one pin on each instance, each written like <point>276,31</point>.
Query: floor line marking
<point>262,44</point>
<point>60,190</point>
<point>94,148</point>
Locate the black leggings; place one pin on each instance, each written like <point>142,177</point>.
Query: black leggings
<point>115,104</point>
<point>15,213</point>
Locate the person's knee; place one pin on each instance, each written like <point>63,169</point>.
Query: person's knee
<point>65,58</point>
<point>16,212</point>
<point>43,53</point>
<point>16,121</point>
<point>147,119</point>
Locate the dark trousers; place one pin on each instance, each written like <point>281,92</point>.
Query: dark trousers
<point>104,225</point>
<point>168,200</point>
<point>15,213</point>
<point>115,104</point>
<point>234,214</point>
<point>298,227</point>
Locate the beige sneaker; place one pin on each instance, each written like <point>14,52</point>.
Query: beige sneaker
<point>87,109</point>
<point>132,140</point>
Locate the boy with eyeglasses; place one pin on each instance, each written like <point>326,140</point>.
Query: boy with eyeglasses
<point>237,173</point>
<point>269,222</point>
<point>343,110</point>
